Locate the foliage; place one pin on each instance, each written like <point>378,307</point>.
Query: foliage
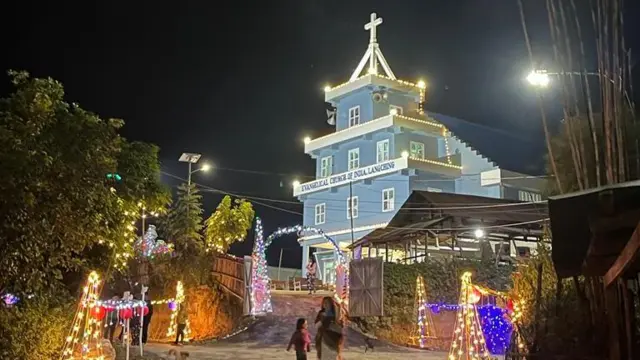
<point>55,200</point>
<point>61,213</point>
<point>563,324</point>
<point>183,223</point>
<point>442,282</point>
<point>228,224</point>
<point>579,129</point>
<point>34,330</point>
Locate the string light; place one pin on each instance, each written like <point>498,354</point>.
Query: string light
<point>445,135</point>
<point>84,340</point>
<point>174,305</point>
<point>260,290</point>
<point>468,339</point>
<point>424,322</point>
<point>433,162</point>
<point>148,247</point>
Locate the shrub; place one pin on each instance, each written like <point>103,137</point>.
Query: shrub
<point>35,329</point>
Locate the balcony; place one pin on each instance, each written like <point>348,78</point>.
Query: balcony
<point>428,125</point>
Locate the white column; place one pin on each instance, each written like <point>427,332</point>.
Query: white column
<point>305,259</point>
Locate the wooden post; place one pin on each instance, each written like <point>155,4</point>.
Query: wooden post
<point>611,304</point>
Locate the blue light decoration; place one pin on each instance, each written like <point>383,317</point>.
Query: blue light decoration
<point>9,299</point>
<point>496,327</point>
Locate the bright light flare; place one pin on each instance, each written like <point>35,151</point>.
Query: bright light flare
<point>205,167</point>
<point>405,154</point>
<point>538,78</point>
<point>307,139</point>
<point>479,233</point>
<point>422,84</point>
<point>295,183</point>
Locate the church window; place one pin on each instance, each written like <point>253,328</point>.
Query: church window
<point>354,159</point>
<point>398,109</point>
<point>320,213</point>
<point>382,151</point>
<point>326,166</point>
<point>416,150</point>
<point>388,199</point>
<point>354,116</point>
<point>352,207</point>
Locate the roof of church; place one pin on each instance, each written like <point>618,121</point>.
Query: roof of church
<point>507,150</point>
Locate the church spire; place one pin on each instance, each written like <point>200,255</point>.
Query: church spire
<point>373,54</point>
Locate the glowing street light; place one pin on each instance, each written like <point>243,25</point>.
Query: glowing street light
<point>538,78</point>
<point>479,233</point>
<point>205,168</point>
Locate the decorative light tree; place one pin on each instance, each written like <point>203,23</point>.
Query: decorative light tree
<point>175,307</point>
<point>424,323</point>
<point>468,340</point>
<point>84,340</point>
<point>260,291</point>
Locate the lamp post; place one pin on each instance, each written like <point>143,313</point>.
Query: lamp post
<point>191,158</point>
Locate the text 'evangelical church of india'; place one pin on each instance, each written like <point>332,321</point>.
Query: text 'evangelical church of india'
<point>385,147</point>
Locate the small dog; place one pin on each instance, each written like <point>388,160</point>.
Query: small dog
<point>174,355</point>
<point>368,344</point>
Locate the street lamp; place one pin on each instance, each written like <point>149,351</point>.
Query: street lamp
<point>539,78</point>
<point>479,233</point>
<point>192,158</point>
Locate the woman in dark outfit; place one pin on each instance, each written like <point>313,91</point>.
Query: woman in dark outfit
<point>329,339</point>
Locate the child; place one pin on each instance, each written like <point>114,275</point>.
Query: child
<point>301,340</point>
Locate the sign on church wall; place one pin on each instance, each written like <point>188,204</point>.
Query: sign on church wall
<point>344,178</point>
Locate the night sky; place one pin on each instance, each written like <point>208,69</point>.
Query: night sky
<point>241,82</point>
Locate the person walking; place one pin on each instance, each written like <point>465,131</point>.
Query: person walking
<point>111,322</point>
<point>311,274</point>
<point>182,323</point>
<point>330,337</point>
<point>300,340</point>
<point>146,321</point>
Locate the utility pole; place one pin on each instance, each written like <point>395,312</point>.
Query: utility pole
<point>280,263</point>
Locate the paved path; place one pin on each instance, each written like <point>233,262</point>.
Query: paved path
<point>258,351</point>
<point>267,337</point>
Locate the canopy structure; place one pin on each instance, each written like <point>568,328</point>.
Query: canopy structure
<point>432,224</point>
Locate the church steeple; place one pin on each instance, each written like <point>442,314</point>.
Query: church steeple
<point>373,54</point>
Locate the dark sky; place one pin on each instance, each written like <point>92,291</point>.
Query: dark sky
<point>241,82</point>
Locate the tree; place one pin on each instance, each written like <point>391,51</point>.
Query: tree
<point>61,211</point>
<point>183,223</point>
<point>228,224</point>
<point>56,201</point>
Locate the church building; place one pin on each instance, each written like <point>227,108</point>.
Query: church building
<point>386,146</point>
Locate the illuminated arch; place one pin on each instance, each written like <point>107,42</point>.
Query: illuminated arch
<point>260,291</point>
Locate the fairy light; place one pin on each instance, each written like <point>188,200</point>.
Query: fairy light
<point>84,341</point>
<point>424,322</point>
<point>260,290</point>
<point>178,301</point>
<point>433,162</point>
<point>445,135</point>
<point>468,342</point>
